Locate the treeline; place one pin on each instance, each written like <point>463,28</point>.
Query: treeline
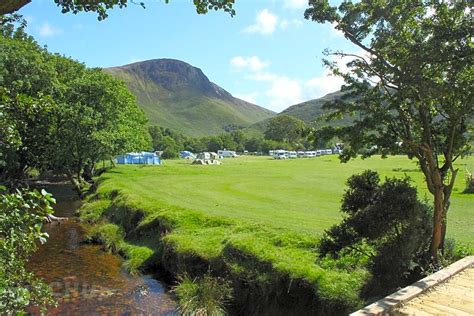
<point>282,132</point>
<point>58,116</point>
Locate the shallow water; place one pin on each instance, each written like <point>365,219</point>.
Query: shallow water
<point>87,280</point>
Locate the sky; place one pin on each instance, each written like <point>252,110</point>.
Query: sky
<point>267,54</point>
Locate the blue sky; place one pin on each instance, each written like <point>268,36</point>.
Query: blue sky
<point>267,54</point>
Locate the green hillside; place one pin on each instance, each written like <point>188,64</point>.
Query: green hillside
<point>177,95</point>
<point>311,110</point>
<point>308,112</point>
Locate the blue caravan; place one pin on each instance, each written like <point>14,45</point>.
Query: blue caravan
<point>141,158</point>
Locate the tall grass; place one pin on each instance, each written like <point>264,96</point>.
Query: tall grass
<point>205,296</point>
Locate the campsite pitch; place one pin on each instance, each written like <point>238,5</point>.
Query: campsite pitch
<point>301,195</point>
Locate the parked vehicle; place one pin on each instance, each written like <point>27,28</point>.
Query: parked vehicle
<point>226,153</point>
<point>279,154</point>
<point>292,154</point>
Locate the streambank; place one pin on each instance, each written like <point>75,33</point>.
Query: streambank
<point>84,278</point>
<point>271,271</point>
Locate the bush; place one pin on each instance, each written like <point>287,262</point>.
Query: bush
<point>387,225</point>
<point>169,153</point>
<point>21,217</point>
<point>205,296</point>
<point>469,182</point>
<point>454,251</point>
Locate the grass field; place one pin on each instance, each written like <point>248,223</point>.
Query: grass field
<point>302,195</point>
<point>254,220</point>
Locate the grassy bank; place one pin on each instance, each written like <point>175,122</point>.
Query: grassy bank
<point>253,220</point>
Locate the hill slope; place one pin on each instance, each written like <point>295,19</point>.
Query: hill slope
<point>308,112</point>
<point>177,95</point>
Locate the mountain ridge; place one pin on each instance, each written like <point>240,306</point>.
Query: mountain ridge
<point>177,95</point>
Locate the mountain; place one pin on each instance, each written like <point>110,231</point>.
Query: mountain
<point>308,112</point>
<point>177,95</point>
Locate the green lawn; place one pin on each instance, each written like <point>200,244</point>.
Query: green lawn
<point>301,195</point>
<point>253,220</point>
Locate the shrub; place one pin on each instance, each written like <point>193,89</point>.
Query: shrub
<point>469,182</point>
<point>22,214</point>
<point>205,296</point>
<point>454,251</point>
<point>386,224</point>
<point>169,153</point>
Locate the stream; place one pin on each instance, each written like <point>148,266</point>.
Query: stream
<point>87,280</point>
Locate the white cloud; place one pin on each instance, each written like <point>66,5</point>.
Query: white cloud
<point>296,4</point>
<point>252,63</point>
<point>284,92</point>
<point>250,97</point>
<point>284,24</point>
<point>265,23</point>
<point>47,30</point>
<point>319,86</point>
<point>326,83</point>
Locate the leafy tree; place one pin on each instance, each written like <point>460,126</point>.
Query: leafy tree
<point>384,223</point>
<point>254,144</point>
<point>239,139</point>
<point>285,128</point>
<point>101,6</point>
<point>98,120</point>
<point>214,143</point>
<point>21,219</point>
<point>62,116</point>
<point>156,136</point>
<point>412,85</point>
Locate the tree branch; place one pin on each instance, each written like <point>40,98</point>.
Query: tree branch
<point>10,6</point>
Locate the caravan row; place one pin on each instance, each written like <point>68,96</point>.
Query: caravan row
<point>284,154</point>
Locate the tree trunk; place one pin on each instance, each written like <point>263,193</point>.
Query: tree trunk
<point>438,215</point>
<point>75,183</point>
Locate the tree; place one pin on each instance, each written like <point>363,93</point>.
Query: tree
<point>101,6</point>
<point>61,116</point>
<point>285,128</point>
<point>411,86</point>
<point>386,225</point>
<point>98,120</point>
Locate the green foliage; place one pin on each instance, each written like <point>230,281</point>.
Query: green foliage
<point>21,217</point>
<point>172,142</point>
<point>203,296</point>
<point>285,128</point>
<point>61,116</point>
<point>469,182</point>
<point>101,7</point>
<point>384,223</point>
<point>170,153</point>
<point>454,251</point>
<point>410,89</point>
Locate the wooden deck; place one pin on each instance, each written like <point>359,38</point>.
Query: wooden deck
<point>452,297</point>
<point>446,292</point>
